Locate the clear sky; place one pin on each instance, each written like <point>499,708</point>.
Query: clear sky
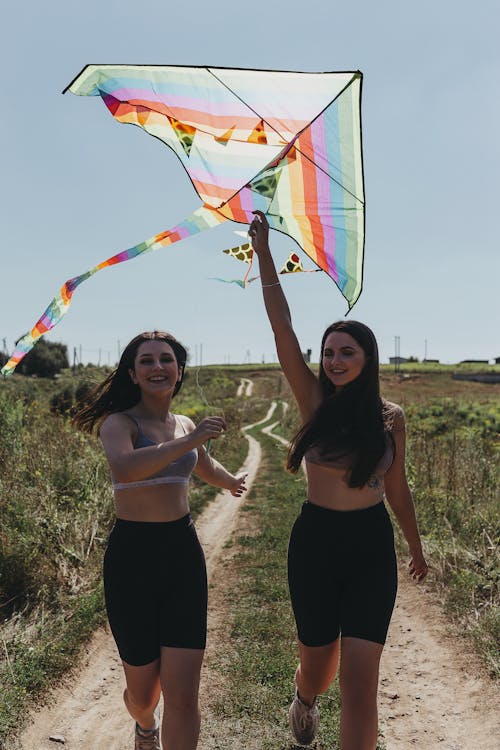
<point>76,187</point>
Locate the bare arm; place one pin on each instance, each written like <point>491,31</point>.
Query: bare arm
<point>400,499</point>
<point>212,472</point>
<point>302,380</point>
<point>129,464</point>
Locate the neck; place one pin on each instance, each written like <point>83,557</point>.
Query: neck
<point>155,407</point>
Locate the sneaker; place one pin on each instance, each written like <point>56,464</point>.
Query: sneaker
<point>147,739</point>
<point>303,720</point>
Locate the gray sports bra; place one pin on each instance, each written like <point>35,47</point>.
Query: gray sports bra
<point>177,472</point>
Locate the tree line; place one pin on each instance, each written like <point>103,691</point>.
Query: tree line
<point>45,360</point>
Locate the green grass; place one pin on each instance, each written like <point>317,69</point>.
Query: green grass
<point>441,368</point>
<point>31,664</point>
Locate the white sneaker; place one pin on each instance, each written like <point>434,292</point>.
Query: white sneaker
<point>304,719</point>
<point>147,739</point>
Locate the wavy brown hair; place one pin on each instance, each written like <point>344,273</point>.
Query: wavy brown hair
<point>118,392</point>
<point>351,423</point>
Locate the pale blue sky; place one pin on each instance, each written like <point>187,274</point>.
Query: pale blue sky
<point>76,187</point>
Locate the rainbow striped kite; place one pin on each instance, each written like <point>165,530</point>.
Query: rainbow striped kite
<point>288,144</point>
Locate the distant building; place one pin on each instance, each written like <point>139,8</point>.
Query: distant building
<point>497,360</point>
<point>397,360</point>
<point>474,362</point>
<point>436,361</point>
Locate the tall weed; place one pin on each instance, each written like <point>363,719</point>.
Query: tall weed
<point>453,468</point>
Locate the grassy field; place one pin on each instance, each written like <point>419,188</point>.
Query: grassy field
<point>56,510</point>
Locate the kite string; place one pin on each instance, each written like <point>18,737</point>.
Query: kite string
<point>210,406</point>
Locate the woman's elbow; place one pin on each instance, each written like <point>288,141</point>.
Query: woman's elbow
<point>122,471</point>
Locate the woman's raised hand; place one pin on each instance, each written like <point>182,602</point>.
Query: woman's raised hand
<point>259,233</point>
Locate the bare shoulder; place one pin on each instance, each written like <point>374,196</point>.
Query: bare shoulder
<point>394,416</point>
<point>186,422</point>
<point>117,422</point>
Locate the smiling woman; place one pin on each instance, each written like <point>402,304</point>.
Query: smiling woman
<point>343,358</point>
<point>154,568</point>
<point>341,562</point>
<point>156,363</point>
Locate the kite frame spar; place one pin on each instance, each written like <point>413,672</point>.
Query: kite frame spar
<point>285,154</point>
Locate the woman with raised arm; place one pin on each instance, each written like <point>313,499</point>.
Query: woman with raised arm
<point>154,568</point>
<point>341,560</point>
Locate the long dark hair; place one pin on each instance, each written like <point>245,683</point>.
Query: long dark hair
<point>351,423</point>
<point>118,392</point>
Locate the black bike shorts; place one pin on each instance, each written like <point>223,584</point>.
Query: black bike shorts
<point>342,574</point>
<point>155,585</point>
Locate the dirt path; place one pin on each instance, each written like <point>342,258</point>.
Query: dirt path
<point>245,387</point>
<point>431,694</point>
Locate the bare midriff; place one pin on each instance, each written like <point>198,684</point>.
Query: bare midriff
<point>158,503</point>
<point>327,487</point>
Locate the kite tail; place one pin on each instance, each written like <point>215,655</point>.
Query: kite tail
<point>203,218</point>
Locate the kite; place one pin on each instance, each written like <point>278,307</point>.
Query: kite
<point>285,143</point>
<point>244,253</point>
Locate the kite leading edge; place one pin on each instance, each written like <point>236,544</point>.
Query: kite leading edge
<point>285,143</point>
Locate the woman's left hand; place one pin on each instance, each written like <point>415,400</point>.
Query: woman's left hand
<point>418,567</point>
<point>258,232</point>
<point>239,487</point>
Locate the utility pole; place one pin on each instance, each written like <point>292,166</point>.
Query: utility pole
<point>397,354</point>
<point>425,351</point>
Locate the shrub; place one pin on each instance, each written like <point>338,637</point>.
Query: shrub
<point>46,359</point>
<point>62,401</point>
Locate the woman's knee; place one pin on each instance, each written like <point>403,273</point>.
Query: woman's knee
<point>140,700</point>
<point>181,701</point>
<point>318,666</point>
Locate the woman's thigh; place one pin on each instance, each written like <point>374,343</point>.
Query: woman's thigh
<point>314,588</point>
